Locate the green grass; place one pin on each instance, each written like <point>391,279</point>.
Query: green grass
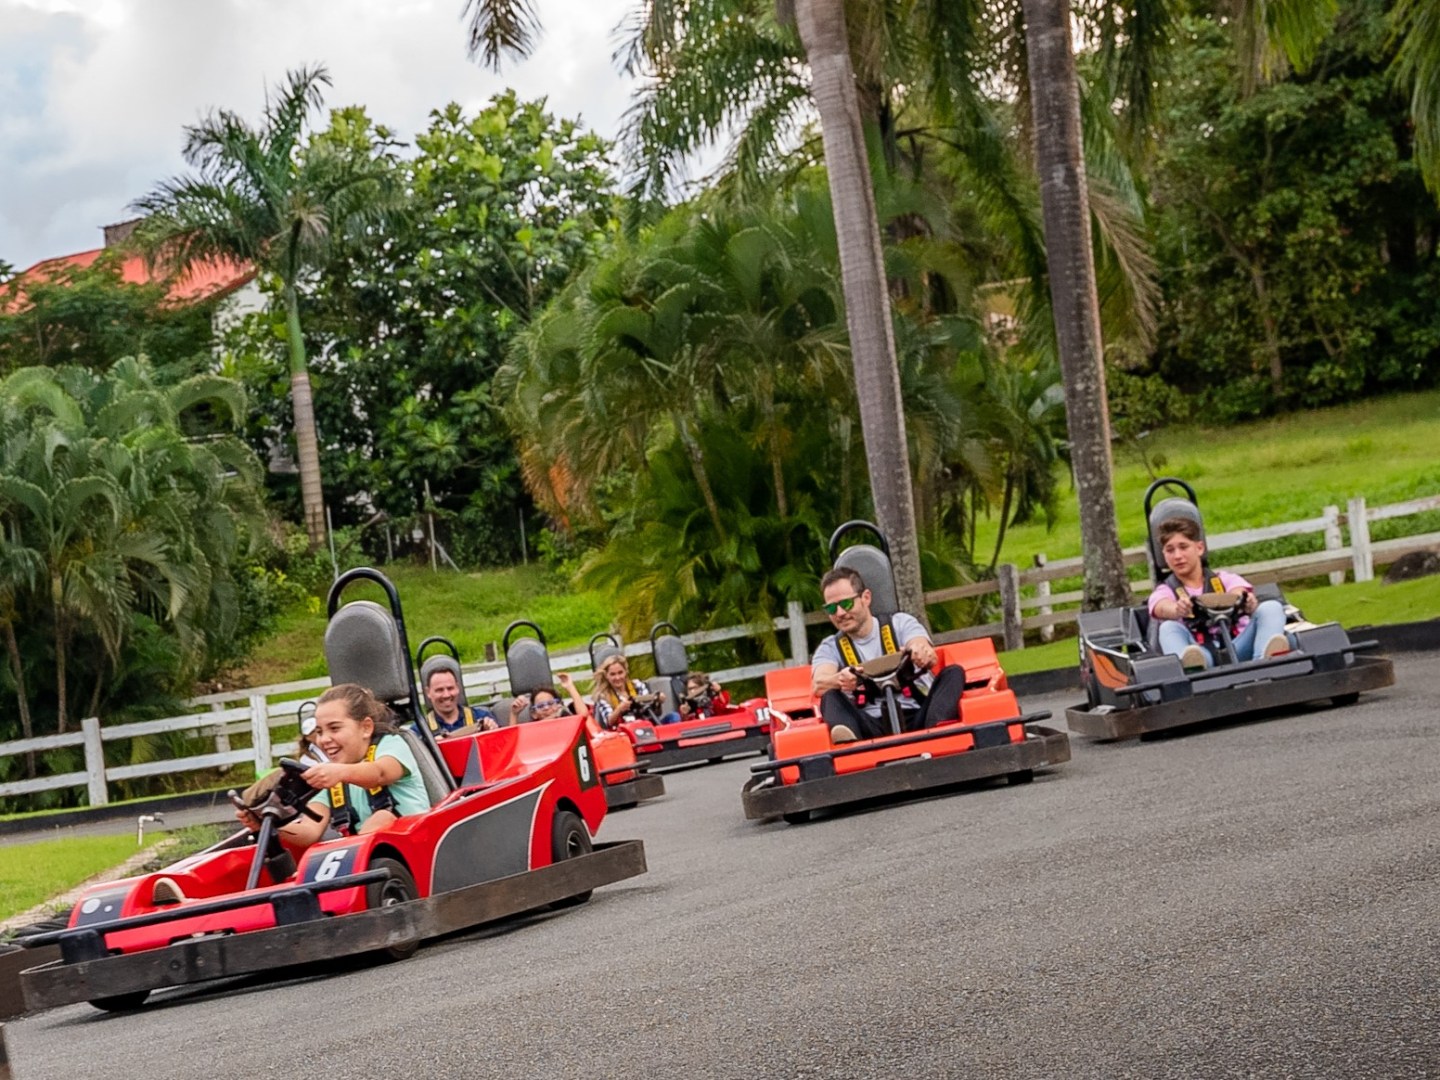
<point>1261,473</point>
<point>32,873</point>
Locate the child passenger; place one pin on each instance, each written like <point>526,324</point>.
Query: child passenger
<point>1258,632</point>
<point>372,777</point>
<point>703,697</point>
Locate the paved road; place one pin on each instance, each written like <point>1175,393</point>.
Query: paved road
<point>1257,900</point>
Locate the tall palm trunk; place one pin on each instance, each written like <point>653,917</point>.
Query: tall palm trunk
<point>307,443</point>
<point>62,632</point>
<point>867,306</point>
<point>1055,98</point>
<point>702,475</point>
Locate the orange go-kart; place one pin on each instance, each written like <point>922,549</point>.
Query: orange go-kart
<point>807,771</point>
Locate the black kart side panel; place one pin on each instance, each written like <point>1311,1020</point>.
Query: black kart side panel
<point>1364,673</point>
<point>764,797</point>
<point>57,983</point>
<point>644,786</point>
<point>755,743</point>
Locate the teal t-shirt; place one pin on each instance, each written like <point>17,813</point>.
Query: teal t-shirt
<point>408,791</point>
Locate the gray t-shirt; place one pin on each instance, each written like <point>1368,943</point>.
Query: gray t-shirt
<point>907,628</point>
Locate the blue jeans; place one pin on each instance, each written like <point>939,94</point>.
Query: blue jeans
<point>1268,620</point>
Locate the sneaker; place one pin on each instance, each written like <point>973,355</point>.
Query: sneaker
<point>1278,644</point>
<point>168,891</point>
<point>841,734</point>
<point>1193,658</point>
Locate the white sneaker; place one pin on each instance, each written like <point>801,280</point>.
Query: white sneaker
<point>1277,645</point>
<point>841,734</point>
<point>1194,658</point>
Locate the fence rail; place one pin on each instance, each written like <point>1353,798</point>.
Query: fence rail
<point>1027,603</point>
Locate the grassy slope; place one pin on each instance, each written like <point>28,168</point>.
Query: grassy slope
<point>32,873</point>
<point>1246,476</point>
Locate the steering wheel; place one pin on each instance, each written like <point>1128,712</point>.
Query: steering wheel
<point>647,706</point>
<point>1212,606</point>
<point>289,797</point>
<point>892,669</point>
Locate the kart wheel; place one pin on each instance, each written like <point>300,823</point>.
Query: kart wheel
<point>1024,776</point>
<point>121,1002</point>
<point>569,839</point>
<point>398,888</point>
<point>796,817</point>
<point>1341,700</point>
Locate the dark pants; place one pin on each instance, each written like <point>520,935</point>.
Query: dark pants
<point>940,705</point>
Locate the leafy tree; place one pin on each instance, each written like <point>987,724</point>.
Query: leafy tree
<point>92,317</point>
<point>258,199</point>
<point>112,511</point>
<point>1299,246</point>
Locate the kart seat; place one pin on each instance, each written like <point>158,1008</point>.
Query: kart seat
<point>873,566</point>
<point>672,666</point>
<point>435,786</point>
<point>527,661</point>
<point>442,663</point>
<point>363,645</point>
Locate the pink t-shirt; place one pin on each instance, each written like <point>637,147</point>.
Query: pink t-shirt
<point>1230,582</point>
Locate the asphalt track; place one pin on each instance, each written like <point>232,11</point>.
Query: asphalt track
<point>1258,900</point>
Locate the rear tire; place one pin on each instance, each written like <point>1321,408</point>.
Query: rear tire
<point>398,888</point>
<point>1024,776</point>
<point>569,839</point>
<point>1341,700</point>
<point>796,817</point>
<point>121,1002</point>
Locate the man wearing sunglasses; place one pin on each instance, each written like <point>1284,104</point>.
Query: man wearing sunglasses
<point>864,635</point>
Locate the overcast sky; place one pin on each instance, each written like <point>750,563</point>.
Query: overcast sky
<point>94,94</point>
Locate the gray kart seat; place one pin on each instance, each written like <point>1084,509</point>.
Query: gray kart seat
<point>442,663</point>
<point>672,666</point>
<point>435,785</point>
<point>528,663</point>
<point>873,566</point>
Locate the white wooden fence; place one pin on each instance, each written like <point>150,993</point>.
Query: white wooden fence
<point>253,714</point>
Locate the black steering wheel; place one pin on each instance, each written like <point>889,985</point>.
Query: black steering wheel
<point>892,669</point>
<point>289,798</point>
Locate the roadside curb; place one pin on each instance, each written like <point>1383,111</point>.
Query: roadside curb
<point>1394,637</point>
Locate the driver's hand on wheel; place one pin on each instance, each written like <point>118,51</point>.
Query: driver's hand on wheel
<point>248,819</point>
<point>1183,606</point>
<point>922,655</point>
<point>1249,603</point>
<point>847,679</point>
<point>324,776</point>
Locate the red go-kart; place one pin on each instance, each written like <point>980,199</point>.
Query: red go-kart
<point>719,729</point>
<point>509,830</point>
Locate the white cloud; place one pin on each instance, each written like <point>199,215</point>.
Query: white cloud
<point>94,94</point>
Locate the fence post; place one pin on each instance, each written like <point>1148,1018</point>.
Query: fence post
<point>1009,576</point>
<point>799,647</point>
<point>260,734</point>
<point>1361,556</point>
<point>1333,540</point>
<point>222,739</point>
<point>1042,590</point>
<point>95,761</point>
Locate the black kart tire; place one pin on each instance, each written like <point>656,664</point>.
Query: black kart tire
<point>796,817</point>
<point>1024,776</point>
<point>1341,700</point>
<point>398,888</point>
<point>121,1002</point>
<point>569,839</point>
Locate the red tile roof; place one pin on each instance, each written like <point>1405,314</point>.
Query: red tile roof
<point>207,281</point>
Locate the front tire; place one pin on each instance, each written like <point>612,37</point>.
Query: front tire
<point>796,817</point>
<point>1024,776</point>
<point>398,888</point>
<point>121,1002</point>
<point>569,839</point>
<point>1341,700</point>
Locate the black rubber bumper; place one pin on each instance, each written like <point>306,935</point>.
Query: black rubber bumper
<point>1365,673</point>
<point>765,797</point>
<point>59,983</point>
<point>644,786</point>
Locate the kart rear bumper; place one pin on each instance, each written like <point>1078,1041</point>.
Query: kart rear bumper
<point>1364,673</point>
<point>765,797</point>
<point>196,960</point>
<point>644,786</point>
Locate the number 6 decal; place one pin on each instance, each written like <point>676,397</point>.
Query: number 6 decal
<point>331,865</point>
<point>584,763</point>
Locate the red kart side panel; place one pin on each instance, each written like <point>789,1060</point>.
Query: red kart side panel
<point>979,662</point>
<point>788,690</point>
<point>800,738</point>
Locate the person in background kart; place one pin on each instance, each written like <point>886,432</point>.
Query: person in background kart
<point>1260,621</point>
<point>703,697</point>
<point>834,680</point>
<point>615,693</point>
<point>546,704</point>
<point>380,778</point>
<point>447,716</point>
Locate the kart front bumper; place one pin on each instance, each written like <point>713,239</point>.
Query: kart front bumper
<point>755,742</point>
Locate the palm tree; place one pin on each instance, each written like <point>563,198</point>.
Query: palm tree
<point>262,196</point>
